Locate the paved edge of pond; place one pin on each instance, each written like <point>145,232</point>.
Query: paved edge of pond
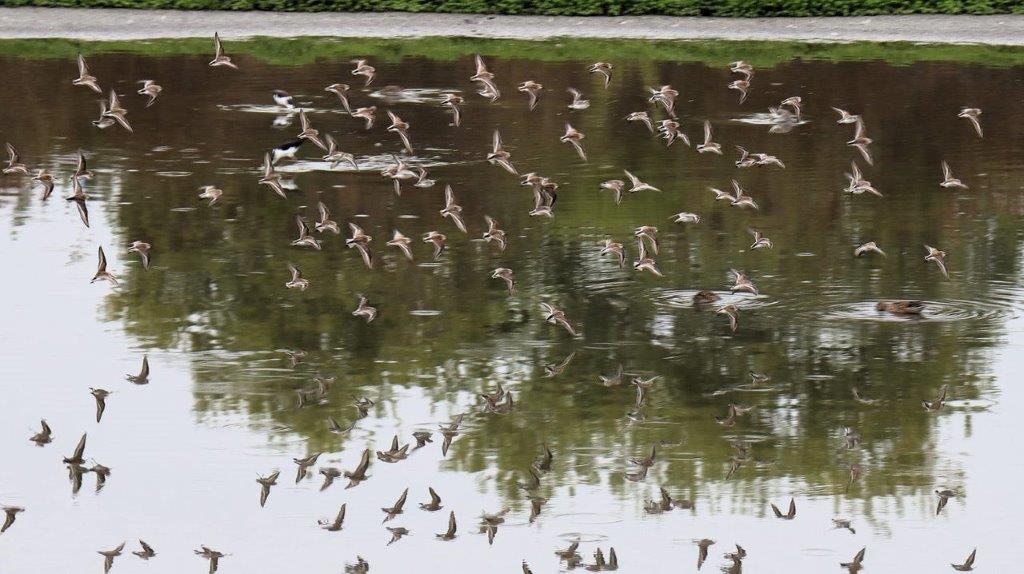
<point>123,24</point>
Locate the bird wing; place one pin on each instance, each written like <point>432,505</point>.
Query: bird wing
<point>364,463</point>
<point>947,173</point>
<point>101,266</point>
<point>449,197</point>
<point>858,131</point>
<point>325,214</point>
<point>364,250</point>
<point>80,449</point>
<point>81,164</point>
<point>707,132</point>
<point>303,228</point>
<point>218,49</point>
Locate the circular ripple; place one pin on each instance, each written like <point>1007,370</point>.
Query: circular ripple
<point>683,298</point>
<point>934,311</point>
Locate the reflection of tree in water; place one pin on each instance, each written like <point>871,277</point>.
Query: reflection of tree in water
<point>217,285</point>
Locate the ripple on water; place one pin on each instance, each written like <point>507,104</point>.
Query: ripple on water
<point>591,518</point>
<point>762,119</point>
<point>951,310</point>
<point>368,164</point>
<point>683,298</point>
<point>394,94</point>
<point>582,537</point>
<point>272,109</point>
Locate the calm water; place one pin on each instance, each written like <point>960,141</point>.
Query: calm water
<point>214,317</point>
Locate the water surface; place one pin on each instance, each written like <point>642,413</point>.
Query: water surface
<point>214,317</point>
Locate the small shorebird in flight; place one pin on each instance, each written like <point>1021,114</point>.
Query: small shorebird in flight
<point>741,67</point>
<point>308,132</point>
<point>210,192</point>
<point>869,247</point>
<point>578,101</point>
<point>603,68</point>
<point>637,185</point>
<point>402,242</point>
<point>452,102</point>
<point>297,281</point>
<point>967,564</point>
<point>367,113</point>
<point>340,90</point>
<point>938,257</point>
<point>147,551</point>
<point>972,115</point>
<point>14,164</point>
<point>402,129</point>
<point>143,376</point>
<point>116,112</point>
<point>45,179</point>
<point>143,250</point>
<point>364,69</point>
<point>486,79</point>
<point>857,563</point>
<point>499,156</point>
<point>101,269</point>
<point>364,310</point>
<point>947,178</point>
<point>361,241</point>
<point>453,210</point>
<point>151,89</point>
<point>533,90</point>
<point>741,86</point>
<point>846,117</point>
<point>270,177</point>
<point>220,57</point>
<point>505,274</point>
<point>334,156</point>
<point>109,555</point>
<point>708,146</point>
<point>574,137</point>
<point>325,223</point>
<point>861,141</point>
<point>642,117</point>
<point>666,96</point>
<point>85,78</point>
<point>760,241</point>
<point>557,317</point>
<point>305,238</point>
<point>494,233</point>
<point>438,239</point>
<point>617,249</point>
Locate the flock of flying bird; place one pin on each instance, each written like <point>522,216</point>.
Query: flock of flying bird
<point>783,118</point>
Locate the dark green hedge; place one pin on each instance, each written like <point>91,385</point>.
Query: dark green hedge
<point>746,8</point>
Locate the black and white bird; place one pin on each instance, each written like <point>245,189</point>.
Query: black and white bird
<point>285,151</point>
<point>283,99</point>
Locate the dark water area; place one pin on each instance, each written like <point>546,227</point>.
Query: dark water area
<point>214,317</point>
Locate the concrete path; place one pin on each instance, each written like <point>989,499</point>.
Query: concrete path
<point>113,24</point>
